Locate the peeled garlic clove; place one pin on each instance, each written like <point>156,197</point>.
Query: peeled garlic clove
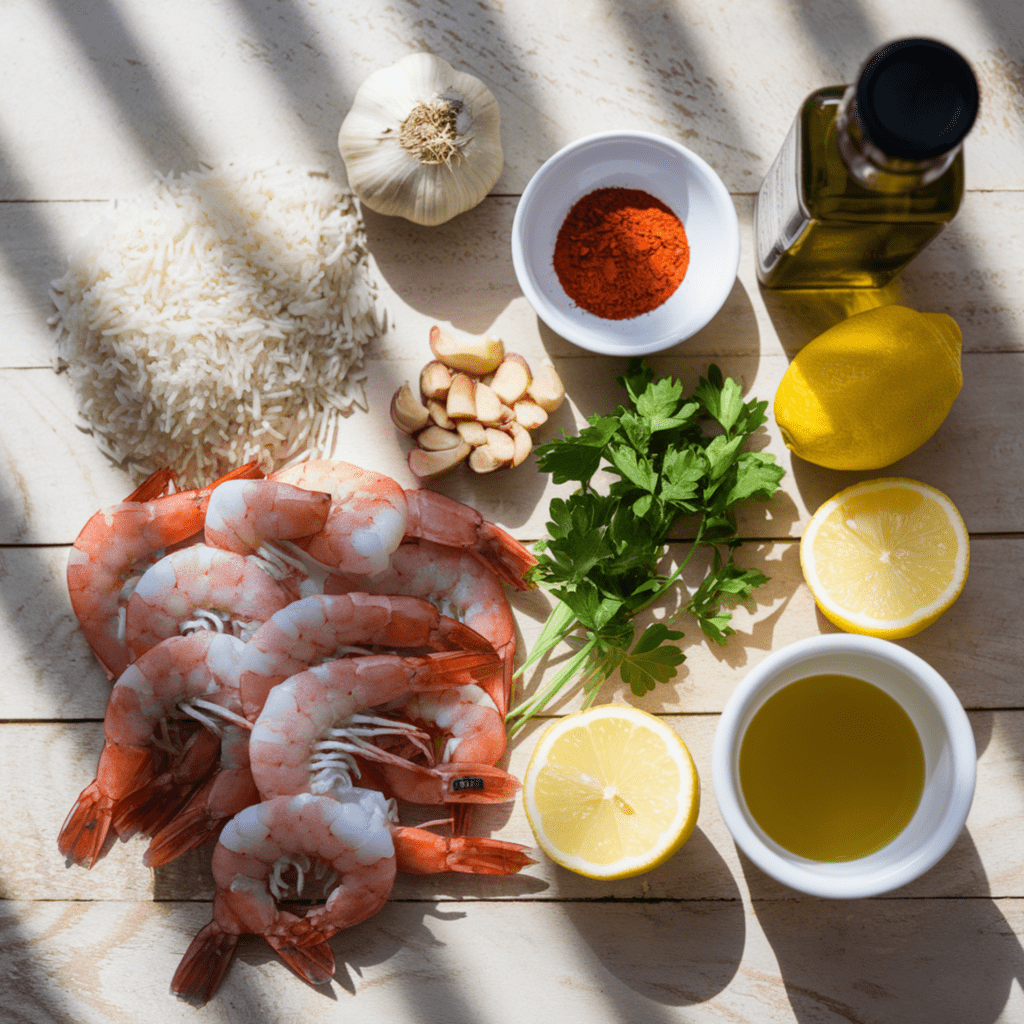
<point>546,389</point>
<point>474,355</point>
<point>512,378</point>
<point>407,411</point>
<point>422,140</point>
<point>488,405</point>
<point>461,404</point>
<point>426,465</point>
<point>485,460</point>
<point>435,380</point>
<point>439,414</point>
<point>501,444</point>
<point>522,443</point>
<point>472,432</point>
<point>436,439</point>
<point>530,414</point>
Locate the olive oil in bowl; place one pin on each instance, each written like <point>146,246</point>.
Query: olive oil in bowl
<point>831,768</point>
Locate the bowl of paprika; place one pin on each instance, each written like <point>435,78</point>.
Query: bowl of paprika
<point>625,243</point>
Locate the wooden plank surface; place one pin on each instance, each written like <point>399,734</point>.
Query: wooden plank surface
<point>98,95</point>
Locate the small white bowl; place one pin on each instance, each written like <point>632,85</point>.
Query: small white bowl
<point>665,170</point>
<point>949,756</point>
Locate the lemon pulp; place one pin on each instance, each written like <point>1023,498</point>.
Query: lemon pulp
<point>611,792</point>
<point>885,557</point>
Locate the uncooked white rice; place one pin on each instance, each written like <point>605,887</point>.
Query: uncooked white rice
<point>217,318</point>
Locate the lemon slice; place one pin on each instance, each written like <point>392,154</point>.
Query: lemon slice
<point>885,557</point>
<point>611,792</point>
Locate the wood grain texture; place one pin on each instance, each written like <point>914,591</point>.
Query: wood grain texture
<point>918,961</point>
<point>96,97</point>
<point>48,764</point>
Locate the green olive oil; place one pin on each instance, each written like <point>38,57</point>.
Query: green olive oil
<point>869,173</point>
<point>831,768</point>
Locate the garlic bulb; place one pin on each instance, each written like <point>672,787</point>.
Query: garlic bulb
<point>422,140</point>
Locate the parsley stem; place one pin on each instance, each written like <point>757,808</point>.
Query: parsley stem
<point>675,575</point>
<point>528,708</point>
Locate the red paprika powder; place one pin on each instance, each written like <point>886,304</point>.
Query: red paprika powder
<point>620,252</point>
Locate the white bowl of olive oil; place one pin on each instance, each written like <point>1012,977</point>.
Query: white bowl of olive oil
<point>844,766</point>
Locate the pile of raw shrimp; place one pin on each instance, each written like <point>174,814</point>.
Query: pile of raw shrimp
<point>293,655</point>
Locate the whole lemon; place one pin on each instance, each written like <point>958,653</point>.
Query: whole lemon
<point>871,389</point>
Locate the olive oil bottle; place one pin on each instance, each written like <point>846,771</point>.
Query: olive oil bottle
<point>869,173</point>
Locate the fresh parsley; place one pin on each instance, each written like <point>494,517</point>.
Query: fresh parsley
<point>672,456</point>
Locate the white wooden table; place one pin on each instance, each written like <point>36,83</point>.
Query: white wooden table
<point>96,95</point>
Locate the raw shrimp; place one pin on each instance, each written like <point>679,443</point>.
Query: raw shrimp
<point>242,515</point>
<point>194,675</point>
<point>459,784</point>
<point>311,728</point>
<point>372,514</point>
<point>467,733</point>
<point>227,789</point>
<point>354,841</point>
<point>458,586</point>
<point>200,587</point>
<point>114,549</point>
<point>320,627</point>
<point>465,719</point>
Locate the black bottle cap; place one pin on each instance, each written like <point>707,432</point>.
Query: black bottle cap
<point>917,99</point>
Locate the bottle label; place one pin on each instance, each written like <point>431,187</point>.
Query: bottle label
<point>779,215</point>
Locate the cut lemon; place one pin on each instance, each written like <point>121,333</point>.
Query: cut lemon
<point>611,792</point>
<point>885,557</point>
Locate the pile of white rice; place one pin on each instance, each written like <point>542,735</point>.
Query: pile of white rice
<point>217,318</point>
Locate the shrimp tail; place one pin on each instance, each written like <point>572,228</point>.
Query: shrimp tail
<point>150,807</point>
<point>218,800</point>
<point>456,636</point>
<point>504,556</point>
<point>462,816</point>
<point>477,783</point>
<point>156,485</point>
<point>86,836</point>
<point>436,517</point>
<point>312,960</point>
<point>202,967</point>
<point>444,667</point>
<point>420,852</point>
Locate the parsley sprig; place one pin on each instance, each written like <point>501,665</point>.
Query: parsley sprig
<point>672,456</point>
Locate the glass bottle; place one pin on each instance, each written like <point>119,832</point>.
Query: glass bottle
<point>869,173</point>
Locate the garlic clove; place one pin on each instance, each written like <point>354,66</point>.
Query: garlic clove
<point>437,439</point>
<point>521,441</point>
<point>530,414</point>
<point>407,412</point>
<point>546,389</point>
<point>439,414</point>
<point>472,432</point>
<point>471,355</point>
<point>485,460</point>
<point>501,444</point>
<point>488,405</point>
<point>461,403</point>
<point>435,380</point>
<point>512,378</point>
<point>427,465</point>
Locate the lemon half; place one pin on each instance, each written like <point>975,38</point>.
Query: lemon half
<point>611,792</point>
<point>885,557</point>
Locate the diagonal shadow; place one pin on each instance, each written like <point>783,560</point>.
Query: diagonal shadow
<point>836,959</point>
<point>476,39</point>
<point>121,66</point>
<point>680,78</point>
